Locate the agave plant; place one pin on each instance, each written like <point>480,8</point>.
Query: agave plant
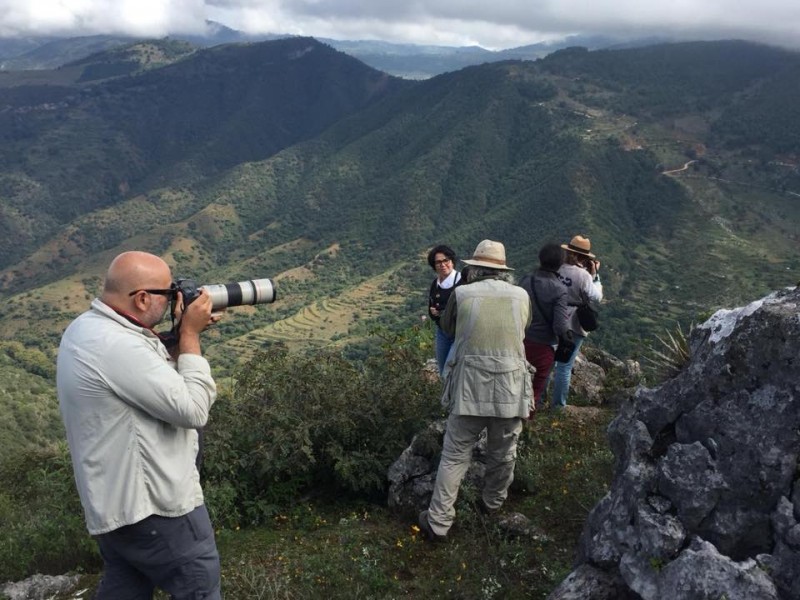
<point>672,352</point>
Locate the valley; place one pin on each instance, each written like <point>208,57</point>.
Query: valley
<point>286,159</point>
<point>638,149</point>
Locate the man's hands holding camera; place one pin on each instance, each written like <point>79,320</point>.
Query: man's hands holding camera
<point>193,319</point>
<point>593,266</point>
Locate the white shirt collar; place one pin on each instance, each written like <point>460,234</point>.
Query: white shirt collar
<point>450,280</point>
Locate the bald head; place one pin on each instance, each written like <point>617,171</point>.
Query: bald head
<point>136,270</point>
<point>132,271</point>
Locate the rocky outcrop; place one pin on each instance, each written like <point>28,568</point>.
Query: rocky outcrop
<point>412,475</point>
<point>40,587</point>
<point>602,379</point>
<point>705,498</point>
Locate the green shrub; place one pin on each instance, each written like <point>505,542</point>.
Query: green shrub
<point>295,423</point>
<point>672,352</point>
<point>41,515</point>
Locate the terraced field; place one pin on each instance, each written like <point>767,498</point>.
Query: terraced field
<point>327,322</point>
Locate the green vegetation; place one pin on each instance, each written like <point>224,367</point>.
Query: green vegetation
<point>74,148</point>
<point>28,409</point>
<point>292,161</point>
<point>521,152</point>
<point>41,515</point>
<point>294,425</point>
<point>295,463</point>
<point>671,353</point>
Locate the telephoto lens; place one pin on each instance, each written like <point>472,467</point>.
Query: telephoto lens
<point>252,291</point>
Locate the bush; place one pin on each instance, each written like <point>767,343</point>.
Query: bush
<point>41,516</point>
<point>295,424</point>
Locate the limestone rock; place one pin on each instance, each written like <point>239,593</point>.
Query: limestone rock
<point>601,378</point>
<point>39,587</point>
<point>587,379</point>
<point>412,475</point>
<point>589,583</point>
<point>710,456</point>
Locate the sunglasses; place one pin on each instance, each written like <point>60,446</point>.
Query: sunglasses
<point>170,292</point>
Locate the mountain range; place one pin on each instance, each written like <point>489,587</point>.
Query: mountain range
<point>289,159</point>
<point>411,61</point>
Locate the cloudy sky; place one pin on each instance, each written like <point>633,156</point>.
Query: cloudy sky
<point>493,24</point>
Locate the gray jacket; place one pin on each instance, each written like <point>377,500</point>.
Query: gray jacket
<point>581,289</point>
<point>550,315</point>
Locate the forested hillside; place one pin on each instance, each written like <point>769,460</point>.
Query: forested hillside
<point>290,160</point>
<point>87,143</point>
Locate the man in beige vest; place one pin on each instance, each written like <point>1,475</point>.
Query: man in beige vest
<point>487,384</point>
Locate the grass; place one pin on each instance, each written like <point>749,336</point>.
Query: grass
<point>334,548</point>
<point>327,549</point>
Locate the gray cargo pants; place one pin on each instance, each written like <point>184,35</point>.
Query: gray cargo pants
<point>177,554</point>
<point>459,439</point>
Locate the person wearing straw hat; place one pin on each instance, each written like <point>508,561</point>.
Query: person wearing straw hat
<point>580,275</point>
<point>487,384</point>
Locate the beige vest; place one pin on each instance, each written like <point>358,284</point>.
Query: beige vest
<point>487,374</point>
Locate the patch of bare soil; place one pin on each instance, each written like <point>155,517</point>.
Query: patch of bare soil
<point>585,414</point>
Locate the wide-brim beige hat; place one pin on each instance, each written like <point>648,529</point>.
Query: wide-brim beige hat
<point>489,254</point>
<point>579,245</point>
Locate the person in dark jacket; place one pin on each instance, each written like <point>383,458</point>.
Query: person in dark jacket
<point>442,260</point>
<point>550,316</point>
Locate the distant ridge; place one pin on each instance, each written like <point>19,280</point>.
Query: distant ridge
<point>411,61</point>
<point>293,160</point>
<point>217,108</point>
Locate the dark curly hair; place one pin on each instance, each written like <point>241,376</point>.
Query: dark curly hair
<point>551,257</point>
<point>440,249</point>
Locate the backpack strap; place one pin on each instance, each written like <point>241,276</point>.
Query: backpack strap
<point>532,288</point>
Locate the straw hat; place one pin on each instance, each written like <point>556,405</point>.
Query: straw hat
<point>489,254</point>
<point>579,245</point>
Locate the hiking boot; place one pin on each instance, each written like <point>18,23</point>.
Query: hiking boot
<point>484,509</point>
<point>426,529</point>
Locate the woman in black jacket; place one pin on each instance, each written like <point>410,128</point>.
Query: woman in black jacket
<point>442,260</point>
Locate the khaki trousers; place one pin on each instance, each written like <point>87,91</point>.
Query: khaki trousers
<point>459,440</point>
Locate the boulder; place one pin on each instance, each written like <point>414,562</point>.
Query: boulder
<point>39,587</point>
<point>587,380</point>
<point>601,378</point>
<point>412,475</point>
<point>705,495</point>
<point>589,583</point>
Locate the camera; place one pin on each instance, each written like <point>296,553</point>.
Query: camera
<point>223,295</point>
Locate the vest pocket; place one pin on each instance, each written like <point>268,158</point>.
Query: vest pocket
<point>493,379</point>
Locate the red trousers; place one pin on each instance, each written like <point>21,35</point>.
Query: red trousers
<point>540,356</point>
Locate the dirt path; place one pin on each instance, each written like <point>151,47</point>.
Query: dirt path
<point>683,168</point>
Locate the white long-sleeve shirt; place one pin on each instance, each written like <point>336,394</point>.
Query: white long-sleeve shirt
<point>581,289</point>
<point>130,415</point>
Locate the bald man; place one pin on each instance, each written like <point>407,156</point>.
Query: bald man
<point>131,412</point>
